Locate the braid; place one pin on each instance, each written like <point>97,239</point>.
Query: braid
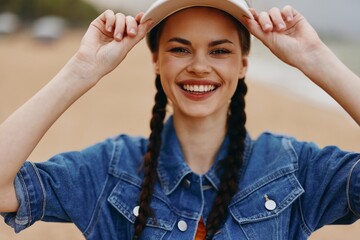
<point>232,164</point>
<point>151,159</point>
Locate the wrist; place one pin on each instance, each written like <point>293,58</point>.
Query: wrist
<point>83,71</point>
<point>315,59</point>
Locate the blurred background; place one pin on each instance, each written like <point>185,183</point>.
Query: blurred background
<point>37,37</point>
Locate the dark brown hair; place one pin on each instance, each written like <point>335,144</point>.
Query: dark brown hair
<point>151,159</point>
<point>231,164</point>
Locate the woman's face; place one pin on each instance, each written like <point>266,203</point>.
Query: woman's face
<point>199,60</point>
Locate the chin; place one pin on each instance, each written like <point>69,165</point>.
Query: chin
<point>200,113</point>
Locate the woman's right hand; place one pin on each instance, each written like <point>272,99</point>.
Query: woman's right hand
<point>107,41</point>
<point>101,50</point>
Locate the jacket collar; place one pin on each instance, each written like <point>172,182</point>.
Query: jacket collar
<point>172,167</point>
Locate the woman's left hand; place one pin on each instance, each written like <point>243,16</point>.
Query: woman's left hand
<point>292,39</point>
<point>286,33</point>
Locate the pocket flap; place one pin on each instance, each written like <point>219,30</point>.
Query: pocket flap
<point>249,206</point>
<point>125,196</point>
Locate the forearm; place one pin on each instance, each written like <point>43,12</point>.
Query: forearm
<point>329,73</point>
<point>99,53</point>
<point>22,131</point>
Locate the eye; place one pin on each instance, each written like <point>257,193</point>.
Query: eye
<point>179,50</point>
<point>220,51</point>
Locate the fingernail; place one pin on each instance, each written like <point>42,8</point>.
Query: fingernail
<point>266,26</point>
<point>119,36</point>
<point>281,26</point>
<point>288,18</point>
<point>132,31</point>
<point>109,28</point>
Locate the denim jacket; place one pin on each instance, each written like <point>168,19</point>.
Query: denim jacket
<point>287,190</point>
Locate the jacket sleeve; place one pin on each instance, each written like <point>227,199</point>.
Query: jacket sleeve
<point>65,188</point>
<point>331,179</point>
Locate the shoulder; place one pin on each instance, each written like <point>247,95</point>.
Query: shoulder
<point>127,154</point>
<point>272,151</point>
<point>274,141</point>
<point>117,146</point>
<point>282,149</point>
<point>102,157</point>
<point>114,155</point>
<point>275,144</point>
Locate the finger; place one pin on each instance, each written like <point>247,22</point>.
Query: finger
<point>119,26</point>
<point>288,13</point>
<point>131,26</point>
<point>255,28</point>
<point>138,17</point>
<point>108,17</point>
<point>265,22</point>
<point>254,13</point>
<point>144,28</point>
<point>277,19</point>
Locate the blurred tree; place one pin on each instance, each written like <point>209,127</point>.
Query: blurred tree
<point>76,12</point>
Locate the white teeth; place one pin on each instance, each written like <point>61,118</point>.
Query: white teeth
<point>199,88</point>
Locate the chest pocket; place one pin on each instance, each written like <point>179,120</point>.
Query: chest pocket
<point>264,209</point>
<point>124,198</point>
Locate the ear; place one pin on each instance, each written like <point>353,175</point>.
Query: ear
<point>155,60</point>
<point>244,68</point>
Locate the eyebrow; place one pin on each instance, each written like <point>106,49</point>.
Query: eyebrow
<point>218,42</point>
<point>211,44</point>
<point>180,40</point>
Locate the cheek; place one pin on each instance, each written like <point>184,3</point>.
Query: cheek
<point>170,69</point>
<point>229,70</point>
<point>167,86</point>
<point>171,64</point>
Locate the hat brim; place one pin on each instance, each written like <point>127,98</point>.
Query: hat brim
<point>164,8</point>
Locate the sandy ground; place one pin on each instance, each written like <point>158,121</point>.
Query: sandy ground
<point>122,102</point>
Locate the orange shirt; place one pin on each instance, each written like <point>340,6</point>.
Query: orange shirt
<point>201,231</point>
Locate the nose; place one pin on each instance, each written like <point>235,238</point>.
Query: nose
<point>199,64</point>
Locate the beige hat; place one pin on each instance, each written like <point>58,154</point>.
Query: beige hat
<point>161,9</point>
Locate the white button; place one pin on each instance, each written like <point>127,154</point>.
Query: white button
<point>269,204</point>
<point>136,211</point>
<point>182,225</point>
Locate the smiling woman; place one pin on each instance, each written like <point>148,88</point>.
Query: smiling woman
<point>199,171</point>
<point>194,58</point>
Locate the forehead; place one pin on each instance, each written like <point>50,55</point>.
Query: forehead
<point>201,20</point>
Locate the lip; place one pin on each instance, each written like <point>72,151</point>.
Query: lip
<point>198,96</point>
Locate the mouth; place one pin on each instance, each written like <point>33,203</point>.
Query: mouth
<point>197,87</point>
